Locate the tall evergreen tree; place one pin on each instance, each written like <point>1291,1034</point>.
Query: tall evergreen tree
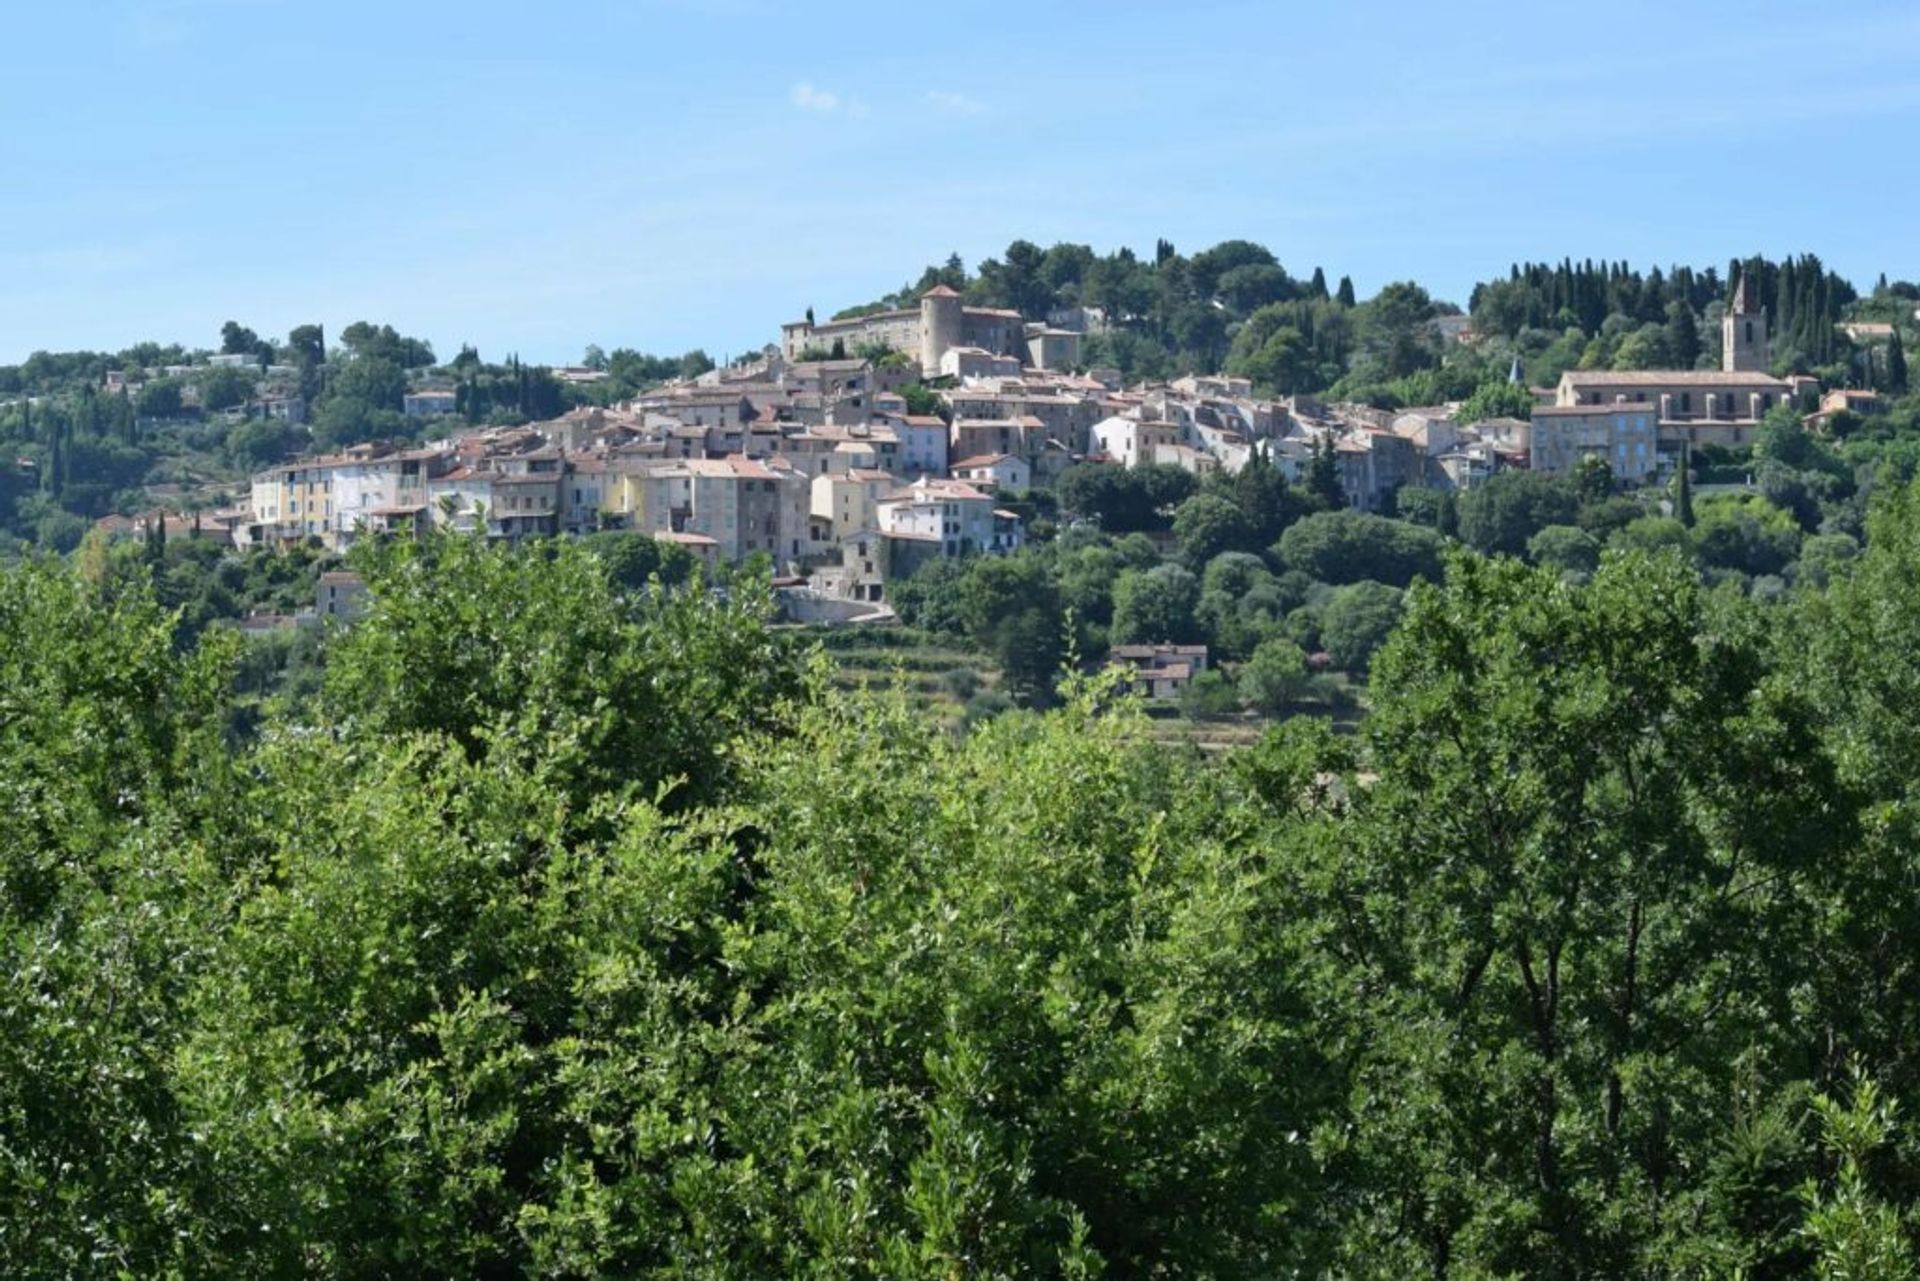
<point>1896,364</point>
<point>1683,334</point>
<point>1317,287</point>
<point>1683,490</point>
<point>1345,293</point>
<point>1323,476</point>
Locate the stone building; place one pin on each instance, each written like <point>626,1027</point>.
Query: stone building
<point>1624,436</point>
<point>1693,406</point>
<point>938,325</point>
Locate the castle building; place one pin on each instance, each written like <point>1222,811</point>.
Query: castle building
<point>938,325</point>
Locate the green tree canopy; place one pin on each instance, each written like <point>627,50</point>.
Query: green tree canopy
<point>1357,622</point>
<point>1156,605</point>
<point>1347,546</point>
<point>1497,398</point>
<point>1209,524</point>
<point>1511,507</point>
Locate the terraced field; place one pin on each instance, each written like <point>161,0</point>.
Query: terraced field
<point>938,677</point>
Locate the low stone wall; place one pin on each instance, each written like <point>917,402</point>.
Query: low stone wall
<point>799,605</point>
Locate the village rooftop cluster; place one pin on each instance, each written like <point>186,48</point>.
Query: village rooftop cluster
<point>810,458</point>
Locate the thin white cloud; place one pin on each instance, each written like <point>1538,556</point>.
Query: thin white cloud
<point>955,104</point>
<point>811,98</point>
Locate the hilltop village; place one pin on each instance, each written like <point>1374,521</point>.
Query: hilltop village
<point>815,459</point>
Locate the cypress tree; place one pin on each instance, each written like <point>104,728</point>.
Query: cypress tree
<point>1683,334</point>
<point>1823,320</point>
<point>1317,287</point>
<point>1683,490</point>
<point>56,478</point>
<point>1896,365</point>
<point>1786,315</point>
<point>1345,293</point>
<point>1323,476</point>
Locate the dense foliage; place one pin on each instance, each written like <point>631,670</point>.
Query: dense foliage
<point>574,927</point>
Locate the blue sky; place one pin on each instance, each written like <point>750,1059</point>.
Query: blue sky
<point>682,173</point>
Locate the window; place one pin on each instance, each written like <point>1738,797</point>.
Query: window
<point>1749,333</point>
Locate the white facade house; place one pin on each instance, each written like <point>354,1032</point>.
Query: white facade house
<point>999,472</point>
<point>959,515</point>
<point>1130,442</point>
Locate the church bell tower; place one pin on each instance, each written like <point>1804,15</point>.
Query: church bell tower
<point>1743,335</point>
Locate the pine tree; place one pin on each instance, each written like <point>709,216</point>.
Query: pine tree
<point>1896,378</point>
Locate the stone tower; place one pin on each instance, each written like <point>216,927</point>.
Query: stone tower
<point>939,327</point>
<point>1743,335</point>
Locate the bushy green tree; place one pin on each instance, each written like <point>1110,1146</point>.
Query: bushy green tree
<point>1274,677</point>
<point>1156,605</point>
<point>225,388</point>
<point>1207,525</point>
<point>535,656</point>
<point>1497,398</point>
<point>371,380</point>
<point>1124,499</point>
<point>1348,546</point>
<point>1748,535</point>
<point>1588,822</point>
<point>1502,514</point>
<point>1566,548</point>
<point>1357,621</point>
<point>1011,607</point>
